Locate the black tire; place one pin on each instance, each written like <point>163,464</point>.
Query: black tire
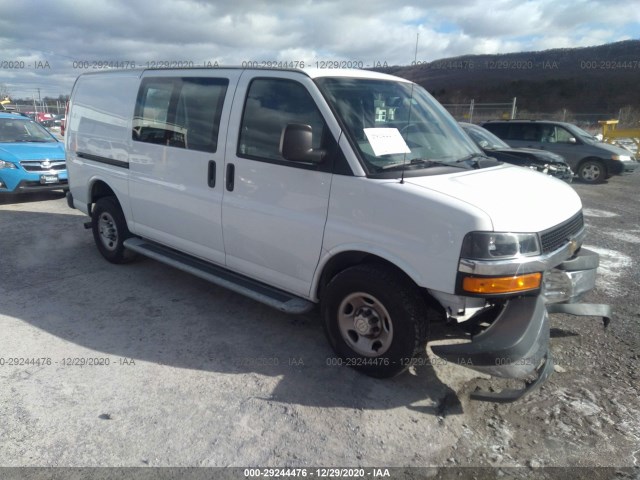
<point>110,231</point>
<point>592,171</point>
<point>386,304</point>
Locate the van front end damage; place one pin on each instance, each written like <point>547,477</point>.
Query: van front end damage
<point>515,345</point>
<point>514,342</point>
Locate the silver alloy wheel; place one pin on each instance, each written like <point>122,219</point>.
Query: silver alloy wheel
<point>108,231</point>
<point>365,324</point>
<point>591,172</point>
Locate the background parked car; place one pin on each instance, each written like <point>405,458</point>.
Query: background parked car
<point>592,160</point>
<point>31,159</point>
<point>38,116</point>
<point>48,124</point>
<point>57,120</point>
<point>539,160</point>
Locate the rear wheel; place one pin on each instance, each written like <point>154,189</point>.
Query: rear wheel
<point>375,320</point>
<point>110,230</point>
<point>592,171</point>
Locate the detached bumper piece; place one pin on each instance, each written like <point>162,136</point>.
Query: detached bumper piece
<point>567,284</point>
<point>515,345</point>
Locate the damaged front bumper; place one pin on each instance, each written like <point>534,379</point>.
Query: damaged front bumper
<point>516,343</point>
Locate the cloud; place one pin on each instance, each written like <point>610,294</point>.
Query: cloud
<point>65,32</point>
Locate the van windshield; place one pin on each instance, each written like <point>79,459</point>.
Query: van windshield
<point>396,125</point>
<point>584,136</point>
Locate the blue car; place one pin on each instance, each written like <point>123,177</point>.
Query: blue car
<point>31,159</point>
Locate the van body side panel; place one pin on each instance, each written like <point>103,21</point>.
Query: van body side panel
<point>177,163</point>
<point>274,217</point>
<point>98,138</point>
<point>421,233</point>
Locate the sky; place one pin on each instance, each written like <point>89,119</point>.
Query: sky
<point>45,45</point>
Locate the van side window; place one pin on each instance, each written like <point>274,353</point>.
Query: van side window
<point>563,135</point>
<point>271,104</point>
<point>499,129</point>
<point>525,132</point>
<point>180,112</point>
<point>548,134</point>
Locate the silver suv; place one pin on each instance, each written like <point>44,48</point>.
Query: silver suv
<point>592,160</point>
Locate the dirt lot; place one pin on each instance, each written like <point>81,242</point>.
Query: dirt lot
<point>142,365</point>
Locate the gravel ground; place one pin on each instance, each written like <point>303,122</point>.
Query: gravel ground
<point>177,372</point>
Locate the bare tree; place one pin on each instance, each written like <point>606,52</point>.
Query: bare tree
<point>629,117</point>
<point>4,91</point>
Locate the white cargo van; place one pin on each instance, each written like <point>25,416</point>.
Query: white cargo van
<point>349,189</point>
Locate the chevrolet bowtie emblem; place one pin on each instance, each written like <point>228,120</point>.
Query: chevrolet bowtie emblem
<point>573,246</point>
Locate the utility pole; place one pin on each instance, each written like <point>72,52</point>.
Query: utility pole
<point>36,104</point>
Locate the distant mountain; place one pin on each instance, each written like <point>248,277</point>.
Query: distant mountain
<point>583,80</point>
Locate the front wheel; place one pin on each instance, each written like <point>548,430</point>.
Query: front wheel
<point>592,171</point>
<point>375,320</point>
<point>110,230</point>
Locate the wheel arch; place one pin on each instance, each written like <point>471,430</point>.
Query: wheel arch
<point>601,161</point>
<point>99,188</point>
<point>342,260</point>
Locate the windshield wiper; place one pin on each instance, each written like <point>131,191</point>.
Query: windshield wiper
<point>420,163</point>
<point>479,160</point>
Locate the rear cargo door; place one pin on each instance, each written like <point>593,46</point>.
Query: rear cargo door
<point>177,160</point>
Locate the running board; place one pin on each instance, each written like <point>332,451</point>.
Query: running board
<point>258,291</point>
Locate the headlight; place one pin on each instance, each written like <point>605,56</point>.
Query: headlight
<point>4,164</point>
<point>622,158</point>
<point>499,246</point>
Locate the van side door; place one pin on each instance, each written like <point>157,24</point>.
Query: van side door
<point>274,210</point>
<point>179,131</point>
<point>563,142</point>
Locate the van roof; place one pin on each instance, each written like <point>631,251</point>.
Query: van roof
<point>310,72</point>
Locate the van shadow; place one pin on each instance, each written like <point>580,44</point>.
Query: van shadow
<point>151,312</point>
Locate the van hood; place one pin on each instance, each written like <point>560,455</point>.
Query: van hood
<point>14,152</point>
<point>532,153</point>
<point>516,199</point>
<point>613,149</point>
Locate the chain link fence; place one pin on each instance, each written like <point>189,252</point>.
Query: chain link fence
<point>478,113</point>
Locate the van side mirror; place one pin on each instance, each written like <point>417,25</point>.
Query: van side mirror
<point>573,140</point>
<point>296,144</point>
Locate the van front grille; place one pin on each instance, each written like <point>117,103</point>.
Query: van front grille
<point>556,237</point>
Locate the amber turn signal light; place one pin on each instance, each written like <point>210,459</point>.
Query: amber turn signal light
<point>518,283</point>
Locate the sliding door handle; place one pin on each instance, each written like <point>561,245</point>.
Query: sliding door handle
<point>211,174</point>
<point>231,173</point>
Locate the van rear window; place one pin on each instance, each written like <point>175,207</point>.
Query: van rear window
<point>180,112</point>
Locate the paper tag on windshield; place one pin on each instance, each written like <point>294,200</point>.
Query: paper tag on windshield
<point>386,141</point>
